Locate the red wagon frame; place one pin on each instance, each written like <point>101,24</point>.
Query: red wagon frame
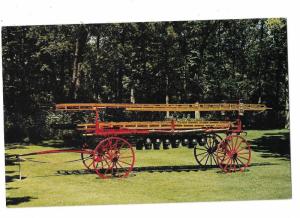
<point>114,156</point>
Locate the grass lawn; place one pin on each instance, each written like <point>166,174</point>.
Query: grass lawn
<point>57,183</point>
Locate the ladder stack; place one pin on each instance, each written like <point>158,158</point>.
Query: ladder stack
<point>241,107</point>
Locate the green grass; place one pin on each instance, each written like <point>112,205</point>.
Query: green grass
<point>269,177</point>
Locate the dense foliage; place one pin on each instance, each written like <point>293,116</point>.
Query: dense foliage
<point>177,62</point>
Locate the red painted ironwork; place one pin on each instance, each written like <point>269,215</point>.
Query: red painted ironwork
<point>105,130</point>
<point>114,156</point>
<point>56,151</point>
<point>233,154</point>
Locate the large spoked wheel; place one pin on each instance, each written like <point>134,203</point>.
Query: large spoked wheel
<point>113,157</point>
<point>205,151</point>
<point>234,154</point>
<point>87,156</point>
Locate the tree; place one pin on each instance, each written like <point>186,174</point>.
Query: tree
<point>156,62</point>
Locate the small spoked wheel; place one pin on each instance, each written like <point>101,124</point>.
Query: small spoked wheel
<point>234,154</point>
<point>87,156</point>
<point>113,157</point>
<point>205,150</point>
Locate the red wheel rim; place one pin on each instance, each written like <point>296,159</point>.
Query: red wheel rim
<point>113,157</point>
<point>234,154</point>
<point>87,157</point>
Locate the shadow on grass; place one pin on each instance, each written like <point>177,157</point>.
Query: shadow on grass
<point>11,188</point>
<point>11,146</point>
<point>275,145</point>
<point>9,171</point>
<point>46,143</point>
<point>11,160</point>
<point>153,169</point>
<point>18,200</point>
<point>12,178</point>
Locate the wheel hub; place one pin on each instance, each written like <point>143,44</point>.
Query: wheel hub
<point>115,159</point>
<point>234,156</point>
<point>211,150</point>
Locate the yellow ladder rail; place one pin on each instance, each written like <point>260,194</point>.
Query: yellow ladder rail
<point>163,107</point>
<point>158,125</point>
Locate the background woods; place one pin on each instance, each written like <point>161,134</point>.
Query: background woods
<point>175,62</point>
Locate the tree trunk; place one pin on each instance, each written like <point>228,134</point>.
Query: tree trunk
<point>132,99</point>
<point>119,85</point>
<point>79,46</point>
<point>260,63</point>
<point>98,42</point>
<point>287,114</point>
<point>73,92</point>
<point>167,95</point>
<point>287,110</point>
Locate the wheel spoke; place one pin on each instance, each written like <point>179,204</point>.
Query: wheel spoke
<point>125,157</point>
<point>225,167</point>
<point>227,146</point>
<point>87,158</point>
<point>237,164</point>
<point>203,157</point>
<point>90,165</point>
<point>246,152</point>
<point>247,156</point>
<point>117,170</point>
<point>106,171</point>
<point>201,153</point>
<point>206,160</point>
<point>236,140</point>
<point>226,157</point>
<point>214,158</point>
<point>104,161</point>
<point>242,163</point>
<point>106,144</point>
<point>237,147</point>
<point>120,165</point>
<point>242,148</point>
<point>121,143</point>
<point>220,151</point>
<point>229,143</point>
<point>206,144</point>
<point>112,169</point>
<point>124,162</point>
<point>243,158</point>
<point>209,140</point>
<point>203,149</point>
<point>230,166</point>
<point>234,166</point>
